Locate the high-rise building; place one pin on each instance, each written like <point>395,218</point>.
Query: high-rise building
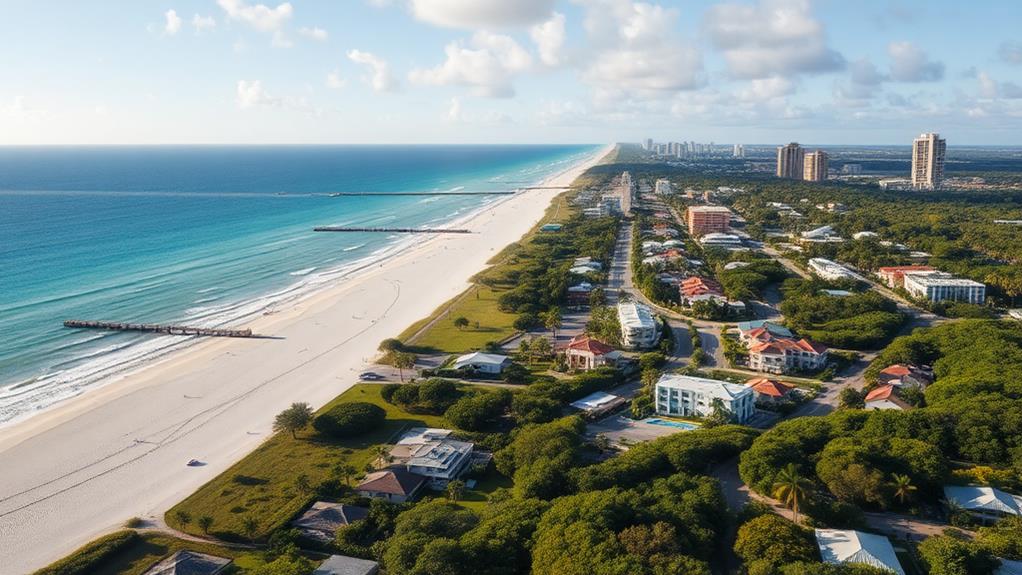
<point>704,220</point>
<point>648,145</point>
<point>789,161</point>
<point>739,151</point>
<point>815,166</point>
<point>627,193</point>
<point>928,161</point>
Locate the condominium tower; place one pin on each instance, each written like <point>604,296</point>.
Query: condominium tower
<point>704,220</point>
<point>815,169</point>
<point>928,161</point>
<point>789,161</point>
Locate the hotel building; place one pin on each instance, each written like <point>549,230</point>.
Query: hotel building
<point>928,161</point>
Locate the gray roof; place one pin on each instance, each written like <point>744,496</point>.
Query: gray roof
<point>846,546</point>
<point>344,565</point>
<point>329,517</point>
<point>976,498</point>
<point>189,563</point>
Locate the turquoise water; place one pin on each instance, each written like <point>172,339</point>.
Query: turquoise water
<point>668,423</point>
<point>205,236</point>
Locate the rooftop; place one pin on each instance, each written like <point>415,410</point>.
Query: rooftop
<point>344,565</point>
<point>847,546</point>
<point>395,481</point>
<point>713,388</point>
<point>709,209</point>
<point>632,314</point>
<point>586,343</point>
<point>771,387</point>
<point>189,563</point>
<point>594,401</point>
<point>984,499</point>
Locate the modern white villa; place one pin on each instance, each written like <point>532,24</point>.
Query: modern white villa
<point>639,327</point>
<point>684,395</point>
<point>431,453</point>
<point>939,286</point>
<point>479,362</point>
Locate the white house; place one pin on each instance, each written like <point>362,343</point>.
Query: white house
<point>818,233</point>
<point>663,187</point>
<point>846,546</point>
<point>720,239</point>
<point>829,270</point>
<point>479,362</point>
<point>773,354</point>
<point>639,328</point>
<point>684,395</point>
<point>986,503</point>
<point>432,454</point>
<point>939,286</point>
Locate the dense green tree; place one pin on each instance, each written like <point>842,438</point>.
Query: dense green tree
<point>951,555</point>
<point>776,540</point>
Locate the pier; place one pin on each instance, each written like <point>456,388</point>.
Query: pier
<point>394,230</point>
<point>158,328</point>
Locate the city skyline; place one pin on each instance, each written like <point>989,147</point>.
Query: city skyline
<point>453,71</point>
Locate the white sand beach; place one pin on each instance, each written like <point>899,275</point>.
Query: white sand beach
<point>81,469</point>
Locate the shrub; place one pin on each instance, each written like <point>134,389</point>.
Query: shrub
<point>88,559</point>
<point>350,419</point>
<point>387,391</point>
<point>477,412</point>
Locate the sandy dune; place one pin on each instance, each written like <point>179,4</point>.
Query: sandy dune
<point>81,469</point>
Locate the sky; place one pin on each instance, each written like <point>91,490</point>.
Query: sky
<point>509,71</point>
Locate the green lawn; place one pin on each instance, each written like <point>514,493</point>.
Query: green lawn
<point>262,485</point>
<point>478,305</point>
<point>477,497</point>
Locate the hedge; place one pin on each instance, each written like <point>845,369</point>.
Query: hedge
<point>350,419</point>
<point>89,558</point>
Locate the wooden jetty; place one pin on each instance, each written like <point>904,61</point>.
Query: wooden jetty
<point>357,194</point>
<point>394,230</point>
<point>158,328</point>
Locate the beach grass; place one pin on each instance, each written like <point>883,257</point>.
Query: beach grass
<point>486,323</point>
<point>262,486</point>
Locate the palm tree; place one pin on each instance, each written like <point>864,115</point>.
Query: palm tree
<point>403,361</point>
<point>293,419</point>
<point>791,488</point>
<point>346,472</point>
<point>552,320</point>
<point>903,487</point>
<point>382,453</point>
<point>455,489</point>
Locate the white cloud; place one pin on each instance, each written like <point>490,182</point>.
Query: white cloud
<point>259,16</point>
<point>910,64</point>
<point>863,83</point>
<point>636,49</point>
<point>250,94</point>
<point>454,110</point>
<point>201,23</point>
<point>380,79</point>
<point>334,80</point>
<point>990,89</point>
<point>1011,52</point>
<point>481,13</point>
<point>173,23</point>
<point>773,37</point>
<point>549,39</point>
<point>488,65</point>
<point>314,33</point>
<point>764,89</point>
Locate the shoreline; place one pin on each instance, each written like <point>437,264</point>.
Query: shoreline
<point>215,400</point>
<point>157,349</point>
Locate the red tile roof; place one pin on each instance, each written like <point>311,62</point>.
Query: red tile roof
<point>903,269</point>
<point>770,387</point>
<point>586,343</point>
<point>882,392</point>
<point>896,370</point>
<point>779,346</point>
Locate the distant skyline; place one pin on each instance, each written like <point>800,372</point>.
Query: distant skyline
<point>497,71</point>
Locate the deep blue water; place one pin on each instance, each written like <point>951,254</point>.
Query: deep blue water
<point>201,235</point>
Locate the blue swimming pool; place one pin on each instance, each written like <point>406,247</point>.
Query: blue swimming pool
<point>668,423</point>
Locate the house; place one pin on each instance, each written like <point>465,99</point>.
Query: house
<point>735,265</point>
<point>720,240</point>
<point>782,355</point>
<point>322,521</point>
<point>393,484</point>
<point>684,395</point>
<point>639,328</point>
<point>938,286</point>
<point>585,353</point>
<point>839,546</point>
<point>695,286</point>
<point>886,397</point>
<point>431,453</point>
<point>769,390</point>
<point>894,276</point>
<point>489,363</point>
<point>821,232</point>
<point>864,235</point>
<point>598,404</point>
<point>588,262</point>
<point>578,294</point>
<point>903,375</point>
<point>988,504</point>
<point>189,563</point>
<point>344,565</point>
<point>760,330</point>
<point>829,270</point>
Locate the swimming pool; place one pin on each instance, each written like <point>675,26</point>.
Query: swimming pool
<point>668,423</point>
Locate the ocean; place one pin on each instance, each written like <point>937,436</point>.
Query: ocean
<point>204,236</point>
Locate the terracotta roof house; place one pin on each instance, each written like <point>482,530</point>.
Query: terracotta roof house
<point>894,276</point>
<point>322,521</point>
<point>905,375</point>
<point>586,353</point>
<point>886,397</point>
<point>189,563</point>
<point>695,286</point>
<point>754,330</point>
<point>393,484</point>
<point>769,390</point>
<point>773,354</point>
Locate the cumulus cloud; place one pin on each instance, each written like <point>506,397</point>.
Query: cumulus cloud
<point>172,24</point>
<point>637,50</point>
<point>259,16</point>
<point>454,110</point>
<point>380,77</point>
<point>863,83</point>
<point>250,94</point>
<point>771,38</point>
<point>487,65</point>
<point>549,39</point>
<point>314,33</point>
<point>481,13</point>
<point>910,64</point>
<point>991,89</point>
<point>764,89</point>
<point>201,23</point>
<point>1010,52</point>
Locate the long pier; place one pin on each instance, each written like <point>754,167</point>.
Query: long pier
<point>358,194</point>
<point>394,230</point>
<point>158,328</point>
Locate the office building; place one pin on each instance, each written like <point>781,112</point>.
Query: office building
<point>789,161</point>
<point>686,396</point>
<point>704,220</point>
<point>738,151</point>
<point>815,166</point>
<point>928,161</point>
<point>939,286</point>
<point>663,187</point>
<point>639,328</point>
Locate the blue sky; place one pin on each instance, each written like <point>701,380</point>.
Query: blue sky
<point>521,71</point>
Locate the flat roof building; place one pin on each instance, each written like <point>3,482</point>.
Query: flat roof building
<point>685,395</point>
<point>829,270</point>
<point>639,328</point>
<point>928,161</point>
<point>790,160</point>
<point>936,287</point>
<point>663,187</point>
<point>703,220</point>
<point>815,166</point>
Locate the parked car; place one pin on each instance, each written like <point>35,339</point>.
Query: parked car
<point>370,376</point>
